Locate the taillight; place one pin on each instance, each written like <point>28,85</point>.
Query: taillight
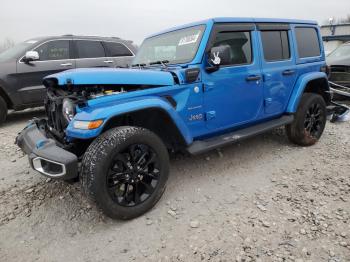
<point>326,69</point>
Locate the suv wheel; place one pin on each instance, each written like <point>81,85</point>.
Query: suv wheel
<point>125,171</point>
<point>310,120</point>
<point>3,110</point>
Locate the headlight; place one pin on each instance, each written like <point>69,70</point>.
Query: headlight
<point>68,109</point>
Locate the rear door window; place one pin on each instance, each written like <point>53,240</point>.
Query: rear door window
<point>308,42</point>
<point>117,49</point>
<point>275,45</point>
<point>90,49</point>
<point>53,50</point>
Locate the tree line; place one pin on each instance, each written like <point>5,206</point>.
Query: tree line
<point>6,44</point>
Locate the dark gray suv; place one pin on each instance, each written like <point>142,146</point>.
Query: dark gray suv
<point>23,67</point>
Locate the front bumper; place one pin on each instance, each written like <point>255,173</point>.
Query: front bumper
<point>44,155</point>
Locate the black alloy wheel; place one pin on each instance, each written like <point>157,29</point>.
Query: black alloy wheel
<point>125,170</point>
<point>133,175</point>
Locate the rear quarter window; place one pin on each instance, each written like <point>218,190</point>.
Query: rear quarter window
<point>307,42</point>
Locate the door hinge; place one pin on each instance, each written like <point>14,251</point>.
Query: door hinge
<point>210,115</point>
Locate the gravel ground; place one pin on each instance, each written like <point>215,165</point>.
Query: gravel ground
<point>261,200</point>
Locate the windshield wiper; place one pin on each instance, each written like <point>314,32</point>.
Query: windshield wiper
<point>160,62</point>
<point>138,65</point>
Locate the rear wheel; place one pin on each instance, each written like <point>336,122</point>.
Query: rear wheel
<point>310,120</point>
<point>125,171</point>
<point>3,110</point>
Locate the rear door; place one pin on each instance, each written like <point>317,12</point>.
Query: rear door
<point>91,53</point>
<point>119,53</point>
<point>278,66</point>
<point>54,57</point>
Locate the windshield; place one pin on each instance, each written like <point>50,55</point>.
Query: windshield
<point>16,51</point>
<point>340,52</point>
<point>174,47</point>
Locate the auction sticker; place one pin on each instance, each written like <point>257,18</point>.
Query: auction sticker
<point>190,39</point>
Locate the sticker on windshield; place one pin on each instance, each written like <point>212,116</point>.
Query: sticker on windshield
<point>31,42</point>
<point>190,39</point>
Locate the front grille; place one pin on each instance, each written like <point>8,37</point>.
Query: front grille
<point>56,122</point>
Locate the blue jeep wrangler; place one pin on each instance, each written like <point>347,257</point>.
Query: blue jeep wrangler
<point>192,88</point>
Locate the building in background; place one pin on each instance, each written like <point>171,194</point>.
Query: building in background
<point>334,35</point>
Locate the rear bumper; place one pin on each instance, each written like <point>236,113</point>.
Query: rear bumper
<point>44,155</point>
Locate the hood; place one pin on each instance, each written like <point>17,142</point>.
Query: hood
<point>112,76</point>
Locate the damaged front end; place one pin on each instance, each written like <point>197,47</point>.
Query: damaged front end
<point>62,102</point>
<point>53,144</point>
<point>45,141</point>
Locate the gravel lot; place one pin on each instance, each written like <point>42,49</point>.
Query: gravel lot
<point>261,200</point>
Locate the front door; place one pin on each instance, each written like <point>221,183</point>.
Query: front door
<point>54,57</point>
<point>233,95</point>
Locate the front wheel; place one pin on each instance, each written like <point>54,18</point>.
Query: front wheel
<point>310,120</point>
<point>125,171</point>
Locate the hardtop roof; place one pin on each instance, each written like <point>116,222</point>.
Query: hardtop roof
<point>237,20</point>
<point>262,20</point>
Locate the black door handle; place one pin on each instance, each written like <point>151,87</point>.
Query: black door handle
<point>288,72</point>
<point>253,78</point>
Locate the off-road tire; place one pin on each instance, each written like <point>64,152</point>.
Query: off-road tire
<point>101,154</point>
<point>296,131</point>
<point>3,110</point>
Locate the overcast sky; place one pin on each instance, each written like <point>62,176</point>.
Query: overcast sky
<point>133,20</point>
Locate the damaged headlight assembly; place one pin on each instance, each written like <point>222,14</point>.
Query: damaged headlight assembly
<point>68,109</point>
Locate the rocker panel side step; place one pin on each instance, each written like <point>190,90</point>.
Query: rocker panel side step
<point>201,146</point>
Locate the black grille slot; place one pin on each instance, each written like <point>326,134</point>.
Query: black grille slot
<point>56,121</point>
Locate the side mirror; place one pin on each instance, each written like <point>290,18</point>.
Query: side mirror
<point>31,56</point>
<point>219,55</point>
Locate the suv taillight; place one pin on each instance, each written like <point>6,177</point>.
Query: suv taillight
<point>326,69</point>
